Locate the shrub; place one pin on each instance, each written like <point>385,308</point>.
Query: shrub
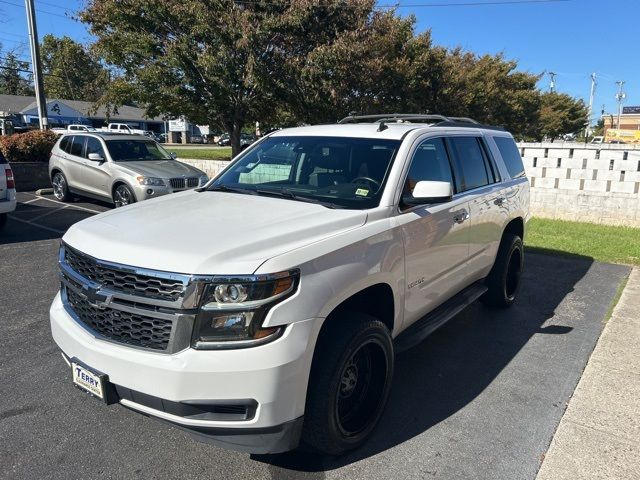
<point>32,146</point>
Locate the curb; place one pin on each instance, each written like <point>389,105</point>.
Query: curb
<point>44,191</point>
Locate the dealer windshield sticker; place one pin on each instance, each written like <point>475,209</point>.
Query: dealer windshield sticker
<point>363,192</point>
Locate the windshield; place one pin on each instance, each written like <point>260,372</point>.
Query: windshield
<point>335,171</point>
<point>136,150</point>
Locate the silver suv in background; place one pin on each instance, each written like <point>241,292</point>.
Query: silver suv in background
<point>121,169</point>
<point>7,191</point>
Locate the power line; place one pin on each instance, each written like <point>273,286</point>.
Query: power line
<point>470,4</point>
<point>46,12</point>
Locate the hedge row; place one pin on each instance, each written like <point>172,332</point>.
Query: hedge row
<point>32,146</point>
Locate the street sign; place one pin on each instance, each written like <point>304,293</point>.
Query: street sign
<point>635,109</point>
<point>178,125</point>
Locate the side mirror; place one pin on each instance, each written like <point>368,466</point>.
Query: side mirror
<point>428,191</point>
<point>173,155</point>
<point>96,157</point>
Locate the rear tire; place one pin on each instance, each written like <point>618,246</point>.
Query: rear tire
<point>349,384</point>
<point>60,187</point>
<point>503,281</point>
<point>3,220</point>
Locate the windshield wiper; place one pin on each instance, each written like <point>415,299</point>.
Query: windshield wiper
<point>286,193</point>
<point>225,188</point>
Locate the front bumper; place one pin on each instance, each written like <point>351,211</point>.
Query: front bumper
<point>274,376</point>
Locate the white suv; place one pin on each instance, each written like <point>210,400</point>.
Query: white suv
<point>264,309</point>
<point>7,191</point>
<point>121,169</point>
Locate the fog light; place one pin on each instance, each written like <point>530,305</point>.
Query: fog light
<point>149,191</point>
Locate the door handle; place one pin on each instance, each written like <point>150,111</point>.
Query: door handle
<point>461,216</point>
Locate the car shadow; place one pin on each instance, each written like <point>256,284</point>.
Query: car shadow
<point>447,371</point>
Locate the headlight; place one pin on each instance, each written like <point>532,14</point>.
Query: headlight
<point>203,179</point>
<point>151,181</point>
<point>231,312</point>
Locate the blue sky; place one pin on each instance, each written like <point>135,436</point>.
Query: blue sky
<point>572,38</point>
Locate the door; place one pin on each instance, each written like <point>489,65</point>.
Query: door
<point>96,174</point>
<point>488,212</point>
<point>436,237</point>
<point>74,161</point>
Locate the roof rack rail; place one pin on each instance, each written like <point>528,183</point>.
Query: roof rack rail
<point>390,117</point>
<point>464,119</point>
<point>439,120</point>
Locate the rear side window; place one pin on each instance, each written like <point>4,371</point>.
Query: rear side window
<point>511,156</point>
<point>2,159</point>
<point>65,144</point>
<point>77,145</point>
<point>430,162</point>
<point>471,162</point>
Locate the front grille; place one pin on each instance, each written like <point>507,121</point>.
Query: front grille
<point>181,183</point>
<point>122,327</point>
<point>123,281</point>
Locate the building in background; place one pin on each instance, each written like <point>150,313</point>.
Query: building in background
<point>24,113</point>
<point>629,129</point>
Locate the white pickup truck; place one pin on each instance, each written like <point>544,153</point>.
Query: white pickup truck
<point>264,309</point>
<point>122,128</point>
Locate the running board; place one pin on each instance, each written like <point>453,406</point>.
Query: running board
<point>424,327</point>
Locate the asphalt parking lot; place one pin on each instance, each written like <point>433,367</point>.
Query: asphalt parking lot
<point>481,398</point>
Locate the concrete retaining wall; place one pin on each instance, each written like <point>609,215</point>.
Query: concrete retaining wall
<point>31,175</point>
<point>571,181</point>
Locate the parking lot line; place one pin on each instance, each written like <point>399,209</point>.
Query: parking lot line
<point>28,222</point>
<point>46,214</point>
<point>77,207</point>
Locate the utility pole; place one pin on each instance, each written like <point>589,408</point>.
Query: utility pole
<point>620,96</point>
<point>37,66</point>
<point>591,96</point>
<point>552,83</point>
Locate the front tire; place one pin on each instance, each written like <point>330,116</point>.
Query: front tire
<point>123,196</point>
<point>60,187</point>
<point>503,281</point>
<point>349,384</point>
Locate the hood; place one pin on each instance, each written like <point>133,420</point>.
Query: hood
<point>161,168</point>
<point>207,232</point>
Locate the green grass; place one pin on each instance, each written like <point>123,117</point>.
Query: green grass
<point>204,153</point>
<point>603,243</point>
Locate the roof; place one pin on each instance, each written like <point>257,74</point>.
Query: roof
<point>110,135</point>
<point>20,103</point>
<point>393,131</point>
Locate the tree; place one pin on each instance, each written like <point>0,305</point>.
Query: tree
<point>227,63</point>
<point>14,75</point>
<point>70,72</point>
<point>559,114</point>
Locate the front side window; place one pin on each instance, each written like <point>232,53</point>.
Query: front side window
<point>94,146</point>
<point>471,162</point>
<point>338,172</point>
<point>135,150</point>
<point>77,145</point>
<point>430,162</point>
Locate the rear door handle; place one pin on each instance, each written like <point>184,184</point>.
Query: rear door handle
<point>461,217</point>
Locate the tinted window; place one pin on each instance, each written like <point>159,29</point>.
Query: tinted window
<point>2,159</point>
<point>471,161</point>
<point>94,146</point>
<point>65,143</point>
<point>77,145</point>
<point>510,155</point>
<point>430,162</point>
